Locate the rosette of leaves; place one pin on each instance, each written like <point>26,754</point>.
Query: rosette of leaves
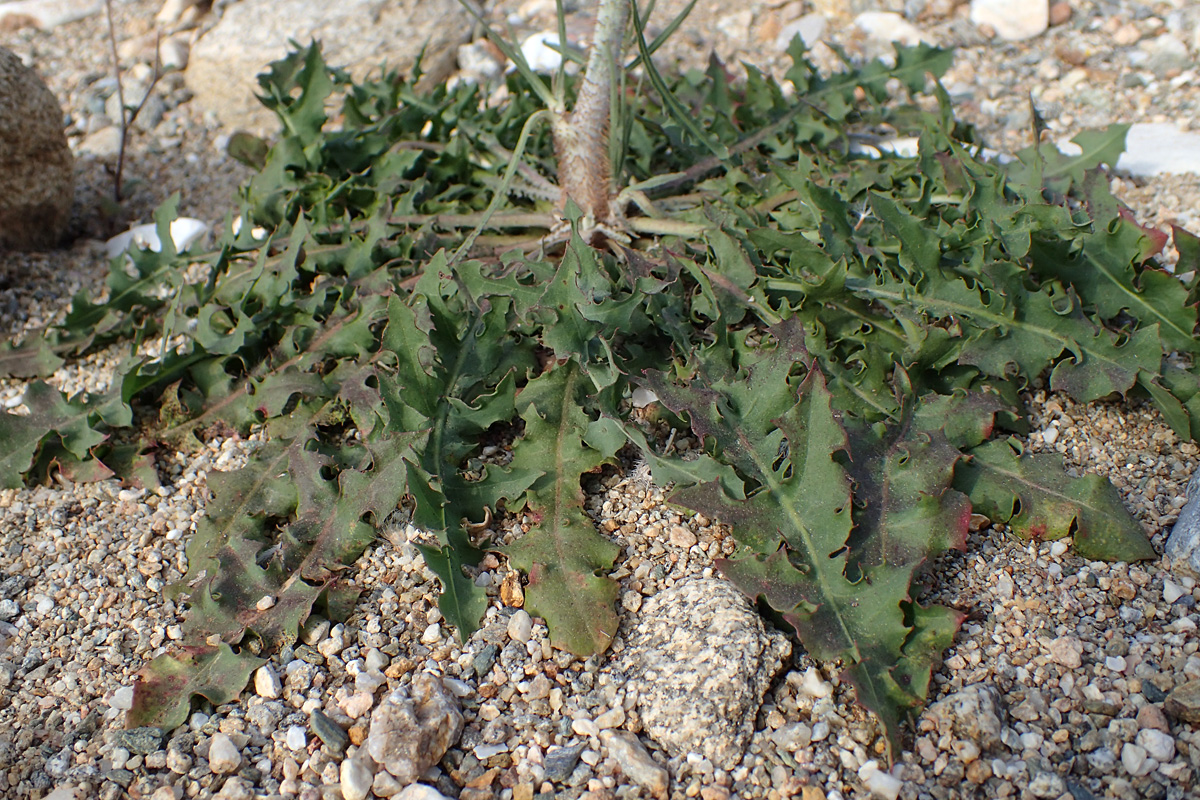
<point>845,334</point>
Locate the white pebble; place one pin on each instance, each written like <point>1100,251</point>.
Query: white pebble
<point>265,602</point>
<point>520,626</point>
<point>1172,591</point>
<point>878,782</point>
<point>814,685</point>
<point>585,727</point>
<point>297,737</point>
<point>485,751</point>
<point>1058,548</point>
<point>122,699</point>
<point>1134,759</point>
<point>369,681</point>
<point>432,633</point>
<point>44,604</point>
<point>376,659</point>
<point>1115,663</point>
<point>1050,435</point>
<point>358,704</point>
<point>613,718</point>
<point>223,755</point>
<point>266,682</point>
<point>820,731</point>
<point>356,779</point>
<point>1158,745</point>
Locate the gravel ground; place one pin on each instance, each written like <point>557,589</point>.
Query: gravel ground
<point>1078,657</point>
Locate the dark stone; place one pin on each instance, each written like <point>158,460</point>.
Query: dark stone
<point>186,741</point>
<point>1154,791</point>
<point>40,780</point>
<point>310,655</point>
<point>121,777</point>
<point>13,585</point>
<point>329,731</point>
<point>560,762</point>
<point>84,730</point>
<point>142,741</point>
<point>446,786</point>
<point>484,659</point>
<point>1152,692</point>
<point>1079,791</point>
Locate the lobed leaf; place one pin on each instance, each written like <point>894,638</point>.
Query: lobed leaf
<point>1029,493</point>
<point>563,554</point>
<point>164,689</point>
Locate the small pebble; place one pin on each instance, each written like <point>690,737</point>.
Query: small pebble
<point>356,779</point>
<point>122,698</point>
<point>296,737</point>
<point>223,755</point>
<point>585,727</point>
<point>1172,591</point>
<point>266,683</point>
<point>520,626</point>
<point>1134,759</point>
<point>328,731</point>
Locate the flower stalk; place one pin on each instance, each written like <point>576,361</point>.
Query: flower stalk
<point>581,135</point>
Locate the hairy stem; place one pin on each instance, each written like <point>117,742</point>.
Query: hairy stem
<point>581,137</point>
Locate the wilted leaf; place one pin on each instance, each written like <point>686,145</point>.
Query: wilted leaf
<point>165,687</point>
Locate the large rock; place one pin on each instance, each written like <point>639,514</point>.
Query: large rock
<point>357,34</point>
<point>36,167</point>
<point>700,660</point>
<point>45,14</point>
<point>1012,19</point>
<point>411,731</point>
<point>1183,545</point>
<point>975,712</point>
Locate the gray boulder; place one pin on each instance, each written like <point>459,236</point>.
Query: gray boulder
<point>1183,545</point>
<point>36,166</point>
<point>359,35</point>
<point>700,661</point>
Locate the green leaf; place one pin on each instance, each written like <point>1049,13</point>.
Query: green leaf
<point>846,599</point>
<point>164,689</point>
<point>52,416</point>
<point>34,359</point>
<point>1105,277</point>
<point>250,578</point>
<point>248,149</point>
<point>565,557</point>
<point>1034,495</point>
